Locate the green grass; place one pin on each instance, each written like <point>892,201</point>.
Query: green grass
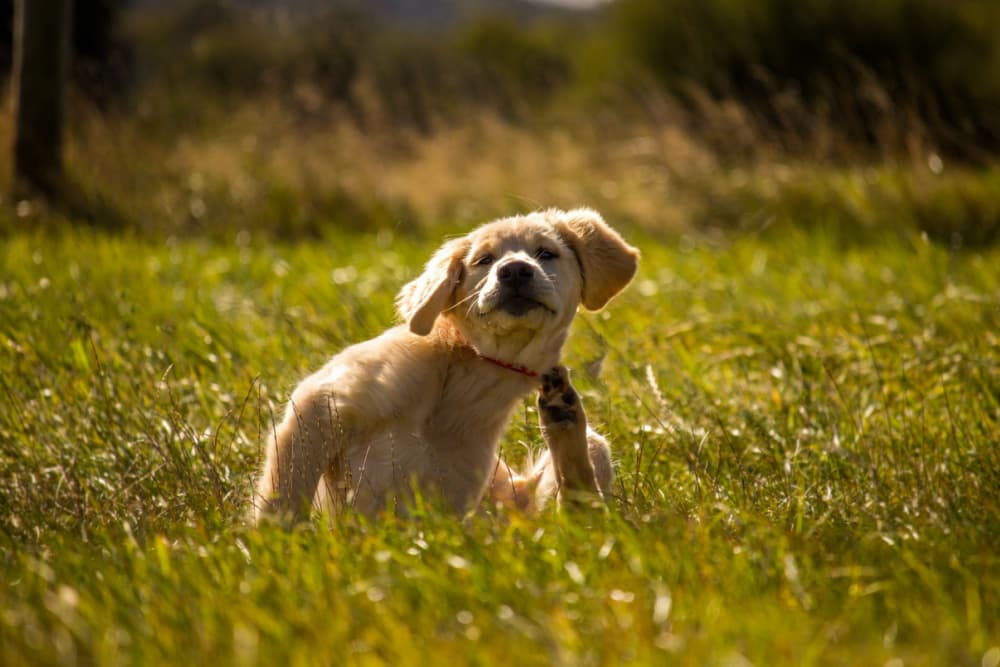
<point>806,433</point>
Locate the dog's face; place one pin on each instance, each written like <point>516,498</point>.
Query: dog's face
<point>516,283</point>
<point>517,275</point>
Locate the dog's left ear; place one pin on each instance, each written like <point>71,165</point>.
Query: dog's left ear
<point>424,298</point>
<point>606,261</point>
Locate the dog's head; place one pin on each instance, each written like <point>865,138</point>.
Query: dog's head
<point>511,287</point>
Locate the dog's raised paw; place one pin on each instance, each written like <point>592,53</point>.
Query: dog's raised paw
<point>558,402</point>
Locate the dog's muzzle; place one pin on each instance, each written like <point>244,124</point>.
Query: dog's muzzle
<point>517,288</point>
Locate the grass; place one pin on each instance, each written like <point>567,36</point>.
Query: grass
<point>802,387</point>
<point>806,430</point>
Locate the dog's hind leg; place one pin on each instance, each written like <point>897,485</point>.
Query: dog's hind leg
<point>510,490</point>
<point>297,455</point>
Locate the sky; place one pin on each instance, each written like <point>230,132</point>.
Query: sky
<point>574,3</point>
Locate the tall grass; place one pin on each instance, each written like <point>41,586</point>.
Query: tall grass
<point>263,167</point>
<point>801,387</point>
<point>805,436</point>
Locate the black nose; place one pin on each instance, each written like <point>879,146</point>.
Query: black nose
<point>515,274</point>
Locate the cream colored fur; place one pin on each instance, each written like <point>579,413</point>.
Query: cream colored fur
<point>419,407</point>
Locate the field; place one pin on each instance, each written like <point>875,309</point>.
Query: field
<point>801,387</point>
<point>806,431</point>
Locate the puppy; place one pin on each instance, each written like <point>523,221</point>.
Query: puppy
<point>423,406</point>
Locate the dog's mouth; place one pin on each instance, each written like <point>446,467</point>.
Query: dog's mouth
<point>519,304</point>
<point>522,301</point>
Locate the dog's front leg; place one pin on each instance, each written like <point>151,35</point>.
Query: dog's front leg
<point>578,467</point>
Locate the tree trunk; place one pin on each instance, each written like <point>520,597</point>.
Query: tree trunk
<point>41,60</point>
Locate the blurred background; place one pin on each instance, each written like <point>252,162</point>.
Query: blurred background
<point>292,118</point>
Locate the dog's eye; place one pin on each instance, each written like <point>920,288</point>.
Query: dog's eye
<point>485,260</point>
<point>544,254</point>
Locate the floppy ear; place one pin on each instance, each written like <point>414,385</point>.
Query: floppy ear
<point>422,299</point>
<point>606,261</point>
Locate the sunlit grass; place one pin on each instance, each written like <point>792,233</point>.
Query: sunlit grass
<point>802,386</point>
<point>805,430</point>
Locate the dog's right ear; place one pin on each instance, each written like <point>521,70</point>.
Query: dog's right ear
<point>424,298</point>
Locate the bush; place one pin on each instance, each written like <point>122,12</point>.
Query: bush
<point>858,63</point>
<point>513,56</point>
<point>218,47</point>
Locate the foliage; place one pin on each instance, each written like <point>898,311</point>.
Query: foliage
<point>504,50</point>
<point>884,75</point>
<point>216,49</point>
<point>855,62</point>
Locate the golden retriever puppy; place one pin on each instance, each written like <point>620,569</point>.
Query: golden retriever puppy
<point>423,406</point>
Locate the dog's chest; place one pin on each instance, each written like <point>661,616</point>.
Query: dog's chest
<point>473,411</point>
<point>462,439</point>
<point>449,450</point>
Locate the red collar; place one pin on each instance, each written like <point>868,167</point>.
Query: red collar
<point>523,370</point>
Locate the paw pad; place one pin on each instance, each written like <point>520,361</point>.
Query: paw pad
<point>557,400</point>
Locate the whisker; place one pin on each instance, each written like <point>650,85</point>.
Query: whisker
<point>459,303</point>
<point>471,299</point>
